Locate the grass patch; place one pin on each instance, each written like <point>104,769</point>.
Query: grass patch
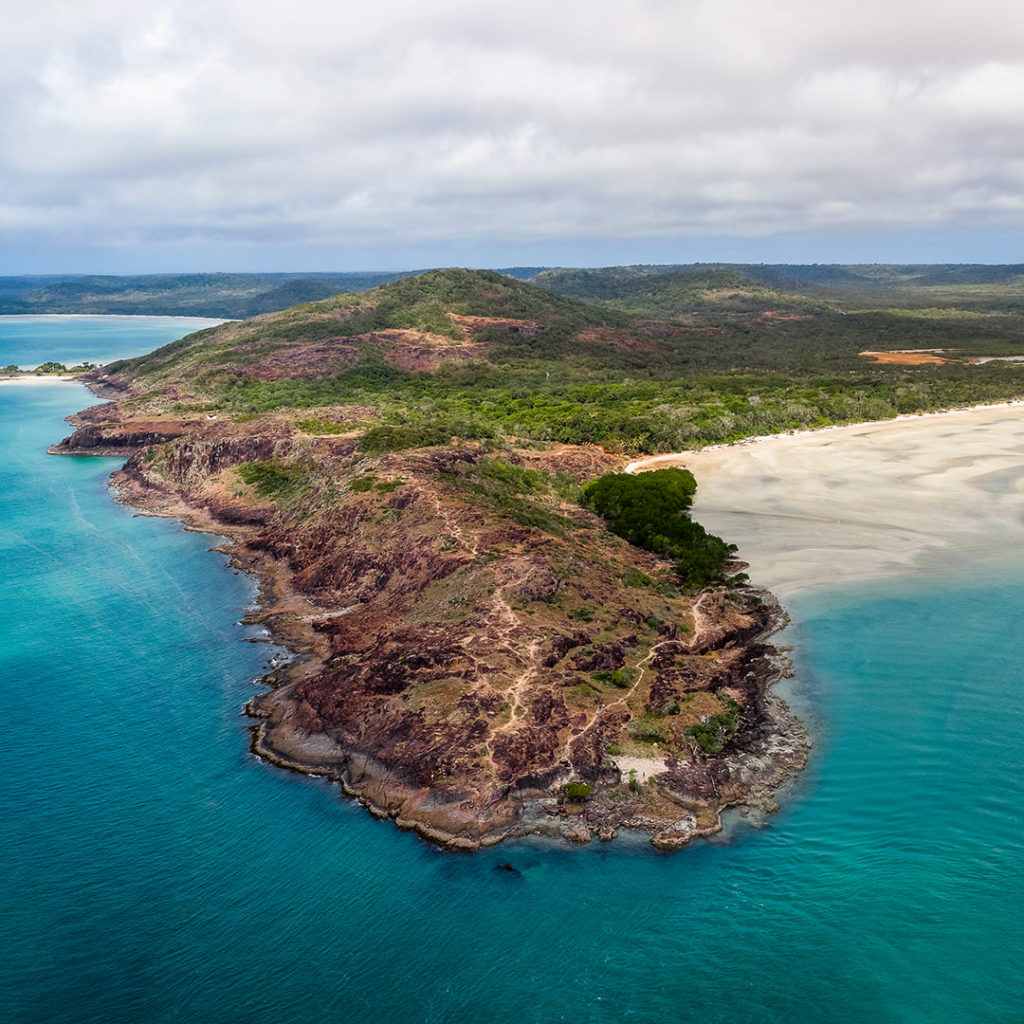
<point>521,494</point>
<point>577,791</point>
<point>273,478</point>
<point>319,425</point>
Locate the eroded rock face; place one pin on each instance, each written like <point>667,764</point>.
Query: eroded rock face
<point>105,440</point>
<point>463,665</point>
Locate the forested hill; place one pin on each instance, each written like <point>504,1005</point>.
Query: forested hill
<point>656,290</point>
<point>231,296</point>
<point>645,290</point>
<point>476,354</point>
<point>670,292</point>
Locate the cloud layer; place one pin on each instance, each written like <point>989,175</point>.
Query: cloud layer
<point>315,123</point>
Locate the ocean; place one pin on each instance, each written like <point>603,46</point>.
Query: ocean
<point>155,871</point>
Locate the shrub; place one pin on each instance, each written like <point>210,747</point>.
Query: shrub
<point>712,733</point>
<point>619,677</point>
<point>273,478</point>
<point>319,425</point>
<point>576,791</point>
<point>633,577</point>
<point>648,732</point>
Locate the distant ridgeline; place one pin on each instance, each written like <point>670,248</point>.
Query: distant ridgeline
<point>648,290</point>
<point>231,296</point>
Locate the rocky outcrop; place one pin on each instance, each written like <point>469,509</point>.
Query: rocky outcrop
<point>471,670</point>
<point>97,440</point>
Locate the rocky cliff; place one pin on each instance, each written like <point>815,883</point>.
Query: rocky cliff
<point>478,656</point>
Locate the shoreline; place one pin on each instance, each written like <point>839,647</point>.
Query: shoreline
<point>279,738</point>
<point>777,759</point>
<point>903,497</point>
<point>43,378</point>
<point>107,316</point>
<point>647,461</point>
<point>775,752</point>
<point>773,749</point>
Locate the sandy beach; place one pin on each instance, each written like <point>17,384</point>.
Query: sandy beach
<point>899,497</point>
<point>49,378</point>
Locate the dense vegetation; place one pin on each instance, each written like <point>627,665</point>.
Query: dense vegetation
<point>651,510</point>
<point>876,285</point>
<point>589,372</point>
<point>668,293</point>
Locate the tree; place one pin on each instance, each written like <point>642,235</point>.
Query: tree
<point>651,510</point>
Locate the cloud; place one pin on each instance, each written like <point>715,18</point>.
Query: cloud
<point>312,122</point>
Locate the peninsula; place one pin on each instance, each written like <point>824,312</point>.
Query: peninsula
<point>488,642</point>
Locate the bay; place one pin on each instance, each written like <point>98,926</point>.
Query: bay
<point>29,340</point>
<point>154,870</point>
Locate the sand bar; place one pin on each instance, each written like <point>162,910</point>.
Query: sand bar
<point>48,378</point>
<point>901,497</point>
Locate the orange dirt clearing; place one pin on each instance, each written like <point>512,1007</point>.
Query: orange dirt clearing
<point>905,358</point>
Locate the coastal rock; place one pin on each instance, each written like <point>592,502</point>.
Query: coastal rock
<point>466,667</point>
<point>577,833</point>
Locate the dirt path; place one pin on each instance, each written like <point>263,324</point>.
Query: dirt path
<point>456,530</point>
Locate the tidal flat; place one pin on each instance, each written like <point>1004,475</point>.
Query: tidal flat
<point>907,498</point>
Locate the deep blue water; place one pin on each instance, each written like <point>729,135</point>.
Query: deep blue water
<point>153,870</point>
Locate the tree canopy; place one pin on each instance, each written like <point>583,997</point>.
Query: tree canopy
<point>651,510</point>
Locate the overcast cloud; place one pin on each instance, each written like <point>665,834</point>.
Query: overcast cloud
<point>251,131</point>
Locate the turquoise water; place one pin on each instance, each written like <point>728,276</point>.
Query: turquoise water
<point>28,341</point>
<point>153,870</point>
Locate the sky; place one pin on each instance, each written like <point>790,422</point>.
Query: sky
<point>333,135</point>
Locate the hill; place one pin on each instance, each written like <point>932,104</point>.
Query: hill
<point>666,293</point>
<point>480,355</point>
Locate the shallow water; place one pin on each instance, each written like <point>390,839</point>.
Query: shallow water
<point>28,341</point>
<point>156,871</point>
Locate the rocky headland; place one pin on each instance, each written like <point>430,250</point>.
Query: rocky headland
<point>477,656</point>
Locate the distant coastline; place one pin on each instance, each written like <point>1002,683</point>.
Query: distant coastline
<point>41,378</point>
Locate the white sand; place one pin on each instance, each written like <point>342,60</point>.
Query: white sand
<point>851,503</point>
<point>49,378</point>
<point>645,767</point>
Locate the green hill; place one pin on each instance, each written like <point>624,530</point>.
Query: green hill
<point>671,293</point>
<point>478,354</point>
